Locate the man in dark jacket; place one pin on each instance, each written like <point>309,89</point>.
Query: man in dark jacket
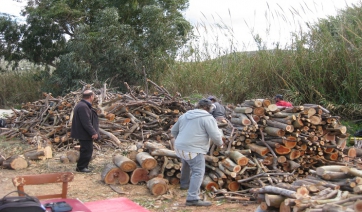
<point>85,128</point>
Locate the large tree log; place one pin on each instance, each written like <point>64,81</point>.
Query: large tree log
<point>124,163</point>
<point>111,174</point>
<point>157,186</point>
<point>139,175</point>
<point>146,160</point>
<point>15,162</point>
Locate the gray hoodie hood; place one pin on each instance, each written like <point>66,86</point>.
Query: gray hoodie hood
<point>197,113</point>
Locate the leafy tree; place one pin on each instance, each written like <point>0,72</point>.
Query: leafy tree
<point>96,40</point>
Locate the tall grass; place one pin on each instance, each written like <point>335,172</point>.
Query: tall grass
<point>321,66</point>
<point>19,87</point>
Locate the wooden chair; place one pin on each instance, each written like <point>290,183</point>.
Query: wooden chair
<point>61,177</point>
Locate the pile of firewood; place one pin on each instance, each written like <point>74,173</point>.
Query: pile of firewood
<point>265,146</point>
<point>342,192</point>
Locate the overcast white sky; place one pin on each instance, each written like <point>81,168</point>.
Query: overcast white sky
<point>273,20</point>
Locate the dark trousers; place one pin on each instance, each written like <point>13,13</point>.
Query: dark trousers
<point>86,151</point>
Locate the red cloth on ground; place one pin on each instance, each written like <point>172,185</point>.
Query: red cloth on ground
<point>115,205</point>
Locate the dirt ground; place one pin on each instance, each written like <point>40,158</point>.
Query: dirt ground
<point>89,187</point>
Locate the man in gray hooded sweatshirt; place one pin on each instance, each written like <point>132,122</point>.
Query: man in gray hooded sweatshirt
<point>192,132</point>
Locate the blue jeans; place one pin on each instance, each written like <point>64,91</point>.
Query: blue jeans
<point>196,168</point>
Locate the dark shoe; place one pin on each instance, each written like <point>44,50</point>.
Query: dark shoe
<point>197,203</point>
<point>86,170</point>
<point>182,188</point>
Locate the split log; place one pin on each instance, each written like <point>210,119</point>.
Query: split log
<point>286,127</point>
<point>111,174</point>
<point>241,120</point>
<point>146,160</point>
<point>284,114</point>
<point>164,152</point>
<point>333,156</point>
<point>34,155</point>
<point>294,154</point>
<point>15,162</point>
<point>259,111</point>
<point>243,110</point>
<point>111,136</point>
<point>275,190</point>
<point>157,186</point>
<point>273,131</point>
<point>208,183</point>
<point>253,102</point>
<point>139,175</point>
<point>298,123</point>
<point>351,171</point>
<point>2,159</point>
<point>226,171</point>
<point>239,158</point>
<point>284,208</point>
<point>230,165</point>
<point>233,186</point>
<point>274,200</point>
<point>323,169</point>
<point>282,150</point>
<point>124,163</point>
<point>211,159</point>
<point>272,107</point>
<point>261,150</point>
<point>155,172</point>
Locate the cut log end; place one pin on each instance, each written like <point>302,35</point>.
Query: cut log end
<point>139,175</point>
<point>157,186</point>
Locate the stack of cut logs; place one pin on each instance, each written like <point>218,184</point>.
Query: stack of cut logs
<point>266,145</point>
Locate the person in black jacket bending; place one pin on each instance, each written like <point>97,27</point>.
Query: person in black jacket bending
<point>85,128</point>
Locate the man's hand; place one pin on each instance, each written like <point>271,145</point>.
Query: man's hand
<point>95,136</point>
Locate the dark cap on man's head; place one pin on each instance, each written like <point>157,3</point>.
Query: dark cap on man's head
<point>212,98</point>
<point>278,96</point>
<point>205,102</point>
